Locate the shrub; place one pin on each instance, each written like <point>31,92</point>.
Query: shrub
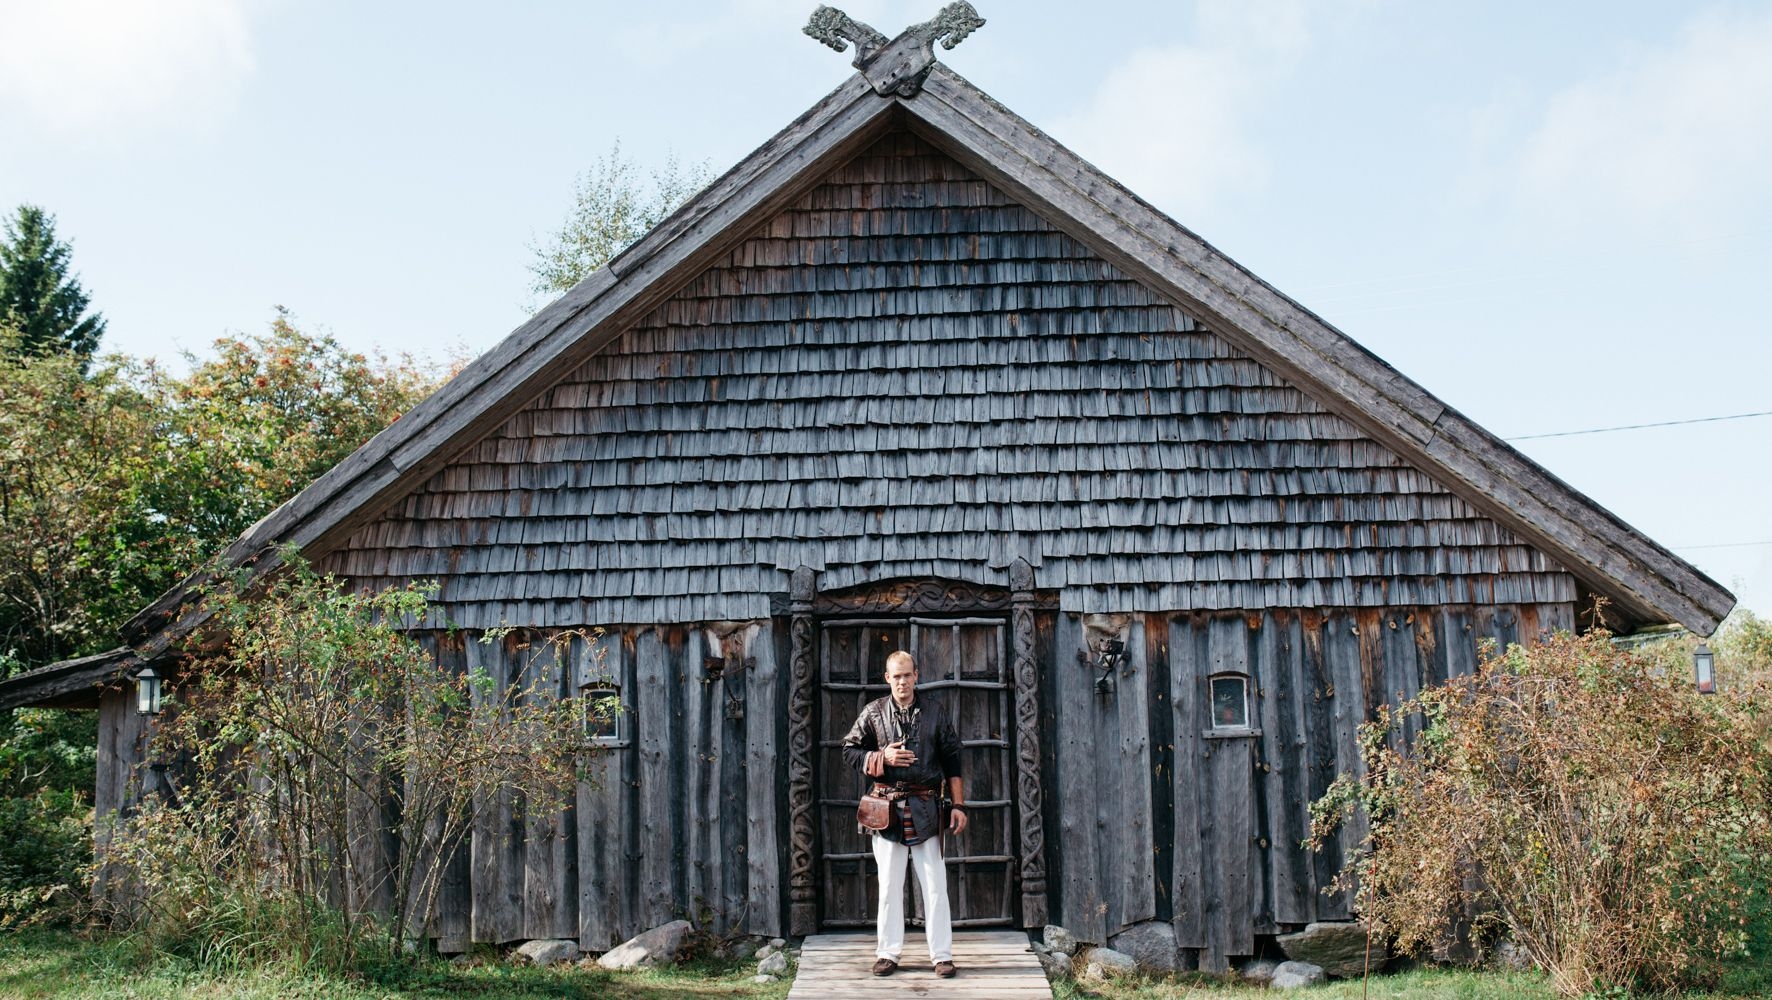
<point>46,846</point>
<point>326,769</point>
<point>1596,809</point>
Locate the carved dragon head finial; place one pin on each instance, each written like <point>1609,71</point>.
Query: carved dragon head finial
<point>898,66</point>
<point>953,24</point>
<point>835,28</point>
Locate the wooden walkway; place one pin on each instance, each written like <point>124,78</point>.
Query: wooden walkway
<point>993,964</point>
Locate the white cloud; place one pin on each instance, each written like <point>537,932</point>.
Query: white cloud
<point>1169,122</point>
<point>78,65</point>
<point>1676,136</point>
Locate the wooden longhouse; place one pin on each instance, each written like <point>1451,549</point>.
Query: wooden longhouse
<point>915,375</point>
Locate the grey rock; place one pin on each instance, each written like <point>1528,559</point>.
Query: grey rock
<point>777,943</point>
<point>1339,948</point>
<point>1106,963</point>
<point>1151,945</point>
<point>548,951</point>
<point>775,965</point>
<point>1056,965</point>
<point>657,946</point>
<point>763,979</point>
<point>1508,955</point>
<point>1292,975</point>
<point>766,951</point>
<point>745,948</point>
<point>1060,940</point>
<point>1258,970</point>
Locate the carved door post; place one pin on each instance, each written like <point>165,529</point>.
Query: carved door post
<point>802,893</point>
<point>1027,745</point>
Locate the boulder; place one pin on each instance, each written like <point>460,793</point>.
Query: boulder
<point>1057,966</point>
<point>1508,955</point>
<point>1060,940</point>
<point>745,948</point>
<point>776,964</point>
<point>548,951</point>
<point>763,979</point>
<point>1339,948</point>
<point>1151,945</point>
<point>1292,975</point>
<point>1258,970</point>
<point>1106,963</point>
<point>657,946</point>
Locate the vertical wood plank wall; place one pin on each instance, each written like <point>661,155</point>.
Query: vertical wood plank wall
<point>674,821</point>
<point>1221,819</point>
<point>1148,814</point>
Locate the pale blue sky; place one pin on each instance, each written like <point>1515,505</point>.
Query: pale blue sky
<point>1554,216</point>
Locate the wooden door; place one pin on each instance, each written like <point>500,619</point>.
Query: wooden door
<point>964,662</point>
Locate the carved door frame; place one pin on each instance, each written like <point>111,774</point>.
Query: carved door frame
<point>913,597</point>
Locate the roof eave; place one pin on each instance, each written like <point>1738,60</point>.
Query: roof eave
<point>73,683</point>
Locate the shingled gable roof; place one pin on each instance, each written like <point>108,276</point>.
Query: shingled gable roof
<point>1644,581</point>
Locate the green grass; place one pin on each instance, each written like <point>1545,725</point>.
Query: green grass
<point>58,965</point>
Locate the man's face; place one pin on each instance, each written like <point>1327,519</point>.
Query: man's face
<point>902,678</point>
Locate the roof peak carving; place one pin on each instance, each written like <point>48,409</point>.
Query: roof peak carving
<point>900,65</point>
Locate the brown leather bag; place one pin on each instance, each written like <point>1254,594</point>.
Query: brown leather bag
<point>874,812</point>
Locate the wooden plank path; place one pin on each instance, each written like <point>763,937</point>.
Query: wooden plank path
<point>994,964</point>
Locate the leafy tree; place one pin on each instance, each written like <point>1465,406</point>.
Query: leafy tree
<point>1595,808</point>
<point>252,425</point>
<point>38,297</point>
<point>73,448</point>
<point>611,210</point>
<point>116,483</point>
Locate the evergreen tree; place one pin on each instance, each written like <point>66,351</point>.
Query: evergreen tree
<point>39,299</point>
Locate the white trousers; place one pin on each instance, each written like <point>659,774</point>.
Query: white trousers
<point>932,878</point>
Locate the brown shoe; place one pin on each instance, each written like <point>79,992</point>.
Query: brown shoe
<point>945,970</point>
<point>885,967</point>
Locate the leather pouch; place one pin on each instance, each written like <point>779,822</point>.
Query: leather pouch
<point>874,812</point>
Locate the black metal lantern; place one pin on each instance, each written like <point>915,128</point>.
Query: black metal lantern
<point>1704,669</point>
<point>1113,653</point>
<point>147,691</point>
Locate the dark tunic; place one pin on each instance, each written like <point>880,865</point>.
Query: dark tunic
<point>935,741</point>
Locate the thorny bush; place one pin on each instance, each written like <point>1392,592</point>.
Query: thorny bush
<point>316,775</point>
<point>1597,810</point>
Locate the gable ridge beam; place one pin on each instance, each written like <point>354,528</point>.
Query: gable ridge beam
<point>540,352</point>
<point>1646,580</point>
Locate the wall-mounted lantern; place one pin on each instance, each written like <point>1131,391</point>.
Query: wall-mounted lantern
<point>1704,669</point>
<point>147,691</point>
<point>1113,653</point>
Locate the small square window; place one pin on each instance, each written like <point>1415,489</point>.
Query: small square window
<point>1230,702</point>
<point>605,720</point>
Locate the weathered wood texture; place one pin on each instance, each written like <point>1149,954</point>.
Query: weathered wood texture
<point>121,780</point>
<point>1231,808</point>
<point>682,820</point>
<point>679,819</point>
<point>907,375</point>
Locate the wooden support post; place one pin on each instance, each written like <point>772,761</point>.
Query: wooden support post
<point>1027,746</point>
<point>802,892</point>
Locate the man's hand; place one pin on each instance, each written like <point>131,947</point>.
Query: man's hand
<point>898,756</point>
<point>957,820</point>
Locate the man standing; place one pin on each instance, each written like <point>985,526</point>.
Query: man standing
<point>909,747</point>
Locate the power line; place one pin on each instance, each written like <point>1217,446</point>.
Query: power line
<point>1638,427</point>
<point>1723,545</point>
